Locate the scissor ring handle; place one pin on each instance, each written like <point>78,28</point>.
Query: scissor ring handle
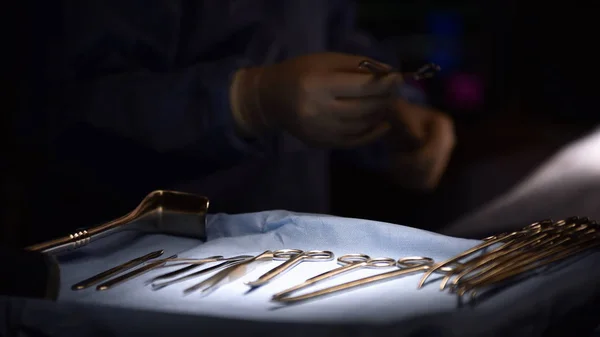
<point>381,262</point>
<point>414,261</point>
<point>353,258</point>
<point>319,255</point>
<point>285,254</point>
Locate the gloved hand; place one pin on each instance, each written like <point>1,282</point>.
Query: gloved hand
<point>322,99</point>
<point>422,165</point>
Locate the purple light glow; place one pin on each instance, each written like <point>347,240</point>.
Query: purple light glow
<point>464,91</point>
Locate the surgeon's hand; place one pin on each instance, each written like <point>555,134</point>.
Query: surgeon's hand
<point>322,99</point>
<point>422,140</point>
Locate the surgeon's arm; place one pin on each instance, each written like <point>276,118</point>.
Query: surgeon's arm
<point>183,110</point>
<point>137,79</point>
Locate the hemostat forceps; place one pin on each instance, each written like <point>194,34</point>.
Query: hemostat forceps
<point>349,262</point>
<point>293,257</point>
<point>407,265</point>
<point>427,71</point>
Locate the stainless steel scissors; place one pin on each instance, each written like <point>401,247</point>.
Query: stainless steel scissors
<point>407,266</point>
<point>349,262</point>
<point>293,257</point>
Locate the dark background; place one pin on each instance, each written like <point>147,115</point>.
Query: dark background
<point>535,64</point>
<point>531,64</point>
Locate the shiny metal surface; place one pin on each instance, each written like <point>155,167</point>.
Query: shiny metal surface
<point>293,257</point>
<point>406,265</point>
<point>228,262</point>
<point>105,275</point>
<point>426,71</point>
<point>132,274</point>
<point>168,212</point>
<point>349,263</point>
<point>514,254</point>
<point>230,274</point>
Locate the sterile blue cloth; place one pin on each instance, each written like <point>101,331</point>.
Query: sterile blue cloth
<point>392,308</point>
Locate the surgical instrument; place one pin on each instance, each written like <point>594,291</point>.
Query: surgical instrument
<point>407,266</point>
<point>116,270</point>
<point>510,253</point>
<point>570,241</point>
<point>348,263</point>
<point>488,242</point>
<point>180,271</point>
<point>132,274</point>
<point>157,209</point>
<point>404,140</point>
<point>427,71</point>
<point>232,273</point>
<point>227,263</point>
<point>293,257</point>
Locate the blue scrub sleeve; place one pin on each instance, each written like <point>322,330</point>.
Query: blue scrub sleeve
<point>182,111</point>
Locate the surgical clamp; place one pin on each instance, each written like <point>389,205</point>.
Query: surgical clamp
<point>407,265</point>
<point>293,257</point>
<point>348,263</point>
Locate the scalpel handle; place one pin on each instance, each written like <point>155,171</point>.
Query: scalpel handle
<point>132,274</point>
<point>116,270</point>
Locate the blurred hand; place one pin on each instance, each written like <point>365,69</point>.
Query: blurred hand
<point>322,99</point>
<point>422,140</point>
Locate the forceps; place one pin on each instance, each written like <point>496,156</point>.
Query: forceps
<point>193,265</point>
<point>427,71</point>
<point>133,274</point>
<point>407,265</point>
<point>228,262</point>
<point>349,262</point>
<point>293,257</point>
<point>232,273</point>
<point>116,270</point>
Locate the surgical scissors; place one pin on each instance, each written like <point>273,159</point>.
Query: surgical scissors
<point>348,263</point>
<point>407,266</point>
<point>293,257</point>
